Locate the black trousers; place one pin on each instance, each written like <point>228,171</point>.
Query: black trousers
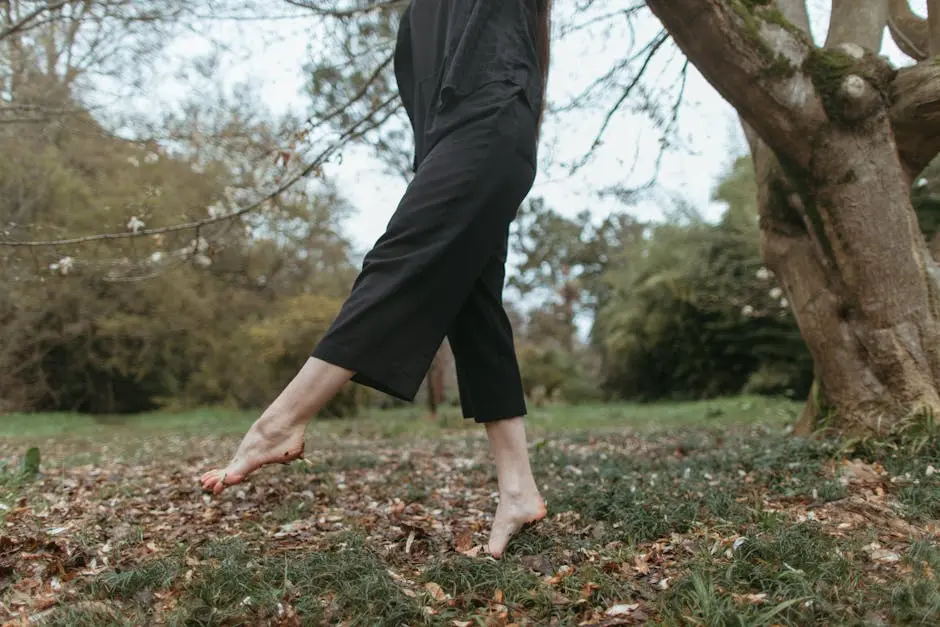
<point>439,270</point>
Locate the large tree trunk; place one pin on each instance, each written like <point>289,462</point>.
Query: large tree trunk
<point>833,137</point>
<point>860,281</point>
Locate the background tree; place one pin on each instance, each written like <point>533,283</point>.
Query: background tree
<point>207,314</point>
<point>692,312</point>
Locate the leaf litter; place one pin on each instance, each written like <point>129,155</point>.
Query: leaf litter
<point>103,508</point>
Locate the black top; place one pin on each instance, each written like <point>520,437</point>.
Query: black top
<point>448,49</point>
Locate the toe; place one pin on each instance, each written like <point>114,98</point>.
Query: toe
<point>219,485</point>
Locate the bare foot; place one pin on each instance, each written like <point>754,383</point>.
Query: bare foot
<point>270,440</point>
<point>514,512</point>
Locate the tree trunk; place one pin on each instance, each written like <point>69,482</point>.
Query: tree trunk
<point>860,280</point>
<point>835,149</point>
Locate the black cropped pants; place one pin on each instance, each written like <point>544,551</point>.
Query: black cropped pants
<point>439,270</point>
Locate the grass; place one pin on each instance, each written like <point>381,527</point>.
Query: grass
<point>407,421</point>
<point>691,514</point>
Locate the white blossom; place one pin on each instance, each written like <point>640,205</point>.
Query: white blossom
<point>776,293</point>
<point>63,266</point>
<point>151,157</point>
<point>135,224</point>
<point>156,257</point>
<point>921,182</point>
<point>784,303</point>
<point>215,210</point>
<point>200,245</point>
<point>747,310</point>
<point>134,161</point>
<point>202,261</point>
<point>763,274</point>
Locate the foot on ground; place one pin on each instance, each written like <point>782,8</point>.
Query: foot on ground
<point>265,443</point>
<point>512,514</point>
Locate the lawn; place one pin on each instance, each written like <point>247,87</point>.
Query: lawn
<point>683,514</point>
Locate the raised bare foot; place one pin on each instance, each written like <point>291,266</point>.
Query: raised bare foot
<point>270,440</point>
<point>514,512</point>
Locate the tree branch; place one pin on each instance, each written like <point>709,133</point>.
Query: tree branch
<point>859,22</point>
<point>915,115</point>
<point>795,12</point>
<point>369,122</point>
<point>382,5</point>
<point>743,52</point>
<point>933,26</point>
<point>908,30</point>
<point>24,22</point>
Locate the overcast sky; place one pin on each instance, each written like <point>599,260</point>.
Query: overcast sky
<point>273,55</point>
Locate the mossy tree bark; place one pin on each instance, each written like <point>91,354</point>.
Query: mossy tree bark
<point>837,137</point>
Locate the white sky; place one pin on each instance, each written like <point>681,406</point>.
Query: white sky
<point>272,56</point>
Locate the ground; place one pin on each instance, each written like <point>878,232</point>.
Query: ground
<point>697,514</point>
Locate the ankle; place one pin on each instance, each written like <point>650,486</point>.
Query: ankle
<point>279,419</point>
<point>520,492</point>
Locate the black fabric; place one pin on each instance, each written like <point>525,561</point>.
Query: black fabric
<point>448,49</point>
<point>439,269</point>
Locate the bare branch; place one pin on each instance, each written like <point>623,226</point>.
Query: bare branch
<point>384,5</point>
<point>859,22</point>
<point>729,41</point>
<point>908,30</point>
<point>357,96</point>
<point>373,120</point>
<point>28,20</point>
<point>650,51</point>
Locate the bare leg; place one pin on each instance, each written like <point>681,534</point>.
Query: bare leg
<point>278,435</point>
<point>519,498</point>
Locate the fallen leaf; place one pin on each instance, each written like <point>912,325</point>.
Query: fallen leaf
<point>588,589</point>
<point>463,542</point>
<point>750,598</point>
<point>884,555</point>
<point>539,563</point>
<point>436,591</point>
<point>621,609</point>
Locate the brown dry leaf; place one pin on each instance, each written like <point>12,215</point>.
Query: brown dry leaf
<point>563,572</point>
<point>857,471</point>
<point>473,552</point>
<point>640,564</point>
<point>588,589</point>
<point>436,591</point>
<point>463,542</point>
<point>498,596</point>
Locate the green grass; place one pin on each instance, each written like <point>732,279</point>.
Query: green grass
<point>408,421</point>
<point>696,513</point>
